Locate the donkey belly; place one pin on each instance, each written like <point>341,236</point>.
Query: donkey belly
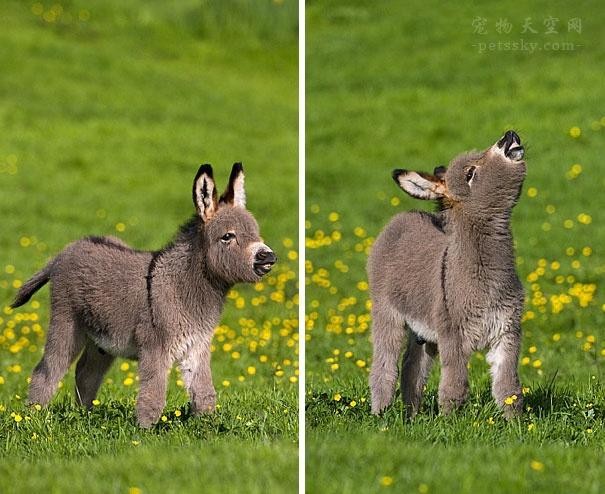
<point>126,349</point>
<point>114,333</point>
<point>104,285</point>
<point>422,330</point>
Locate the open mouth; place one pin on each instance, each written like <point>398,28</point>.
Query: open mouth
<point>262,269</point>
<point>511,145</point>
<point>264,261</point>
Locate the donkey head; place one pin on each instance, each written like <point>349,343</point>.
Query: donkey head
<point>235,251</point>
<point>480,182</point>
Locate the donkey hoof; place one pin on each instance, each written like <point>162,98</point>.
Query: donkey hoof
<point>512,410</point>
<point>146,419</point>
<point>410,412</point>
<point>205,405</point>
<point>447,406</point>
<point>145,423</point>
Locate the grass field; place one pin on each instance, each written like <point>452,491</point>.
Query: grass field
<point>108,108</point>
<point>410,85</point>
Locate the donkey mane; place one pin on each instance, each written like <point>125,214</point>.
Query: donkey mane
<point>110,242</point>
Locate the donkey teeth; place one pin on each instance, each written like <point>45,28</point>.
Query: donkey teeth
<point>262,269</point>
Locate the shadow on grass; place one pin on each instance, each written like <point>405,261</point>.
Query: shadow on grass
<point>541,402</point>
<point>114,417</point>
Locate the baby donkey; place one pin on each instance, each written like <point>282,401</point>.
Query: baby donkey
<point>158,307</point>
<point>450,279</point>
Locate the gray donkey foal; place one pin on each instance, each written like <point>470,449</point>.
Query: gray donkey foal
<point>158,307</point>
<point>450,278</point>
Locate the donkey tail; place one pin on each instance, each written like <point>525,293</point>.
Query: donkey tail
<point>32,285</point>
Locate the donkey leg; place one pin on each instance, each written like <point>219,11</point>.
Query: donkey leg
<point>388,334</point>
<point>198,377</point>
<point>91,367</point>
<point>64,341</point>
<point>415,371</point>
<point>153,376</point>
<point>453,387</point>
<point>506,387</point>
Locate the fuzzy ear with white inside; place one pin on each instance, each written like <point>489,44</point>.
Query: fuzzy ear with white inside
<point>421,185</point>
<point>235,193</point>
<point>204,193</point>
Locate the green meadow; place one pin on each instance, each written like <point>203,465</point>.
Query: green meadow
<point>411,85</point>
<point>108,108</point>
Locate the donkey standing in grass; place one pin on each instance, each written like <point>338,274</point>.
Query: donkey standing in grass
<point>450,279</point>
<point>158,307</point>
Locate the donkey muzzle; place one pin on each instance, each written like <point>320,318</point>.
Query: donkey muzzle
<point>264,261</point>
<point>510,143</point>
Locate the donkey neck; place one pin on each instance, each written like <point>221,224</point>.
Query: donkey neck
<point>480,243</point>
<point>199,276</point>
<point>184,262</point>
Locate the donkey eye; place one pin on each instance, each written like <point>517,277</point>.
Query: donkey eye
<point>470,173</point>
<point>227,237</point>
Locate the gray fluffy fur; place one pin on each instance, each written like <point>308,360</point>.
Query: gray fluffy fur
<point>449,278</point>
<point>108,300</point>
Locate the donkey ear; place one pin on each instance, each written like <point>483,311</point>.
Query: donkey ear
<point>235,193</point>
<point>204,193</point>
<point>421,185</point>
<point>439,172</point>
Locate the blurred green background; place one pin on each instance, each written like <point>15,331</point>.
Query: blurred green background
<point>107,109</point>
<point>411,85</point>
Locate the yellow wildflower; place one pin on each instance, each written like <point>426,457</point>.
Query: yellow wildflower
<point>386,481</point>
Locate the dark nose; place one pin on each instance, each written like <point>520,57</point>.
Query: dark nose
<point>265,257</point>
<point>511,142</point>
<point>509,138</point>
